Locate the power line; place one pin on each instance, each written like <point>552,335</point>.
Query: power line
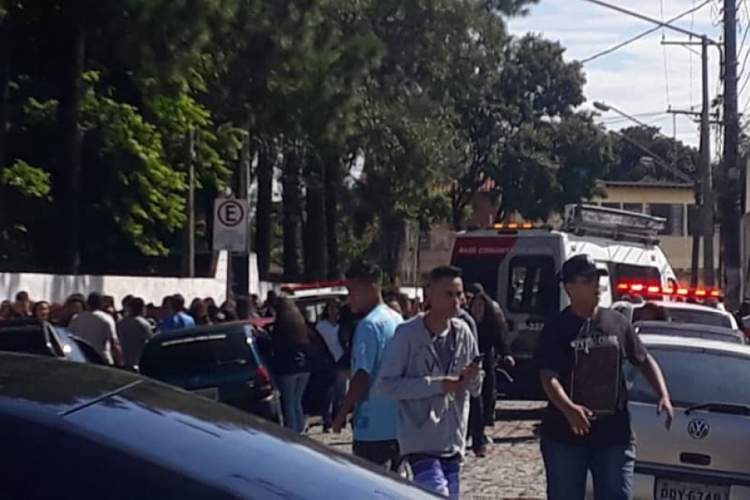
<point>747,52</point>
<point>643,35</point>
<point>666,59</point>
<point>692,28</point>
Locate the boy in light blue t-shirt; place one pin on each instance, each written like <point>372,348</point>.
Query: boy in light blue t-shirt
<point>375,417</point>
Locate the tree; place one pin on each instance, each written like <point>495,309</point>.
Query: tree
<point>630,165</point>
<point>512,112</point>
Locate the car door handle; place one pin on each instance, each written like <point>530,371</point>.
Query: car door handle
<point>695,459</point>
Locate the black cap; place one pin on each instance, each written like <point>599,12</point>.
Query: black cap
<point>580,265</point>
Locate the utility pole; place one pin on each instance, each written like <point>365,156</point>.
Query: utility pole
<point>704,182</point>
<point>189,251</point>
<point>708,218</point>
<point>731,200</point>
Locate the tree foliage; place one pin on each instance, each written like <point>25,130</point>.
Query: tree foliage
<point>431,98</point>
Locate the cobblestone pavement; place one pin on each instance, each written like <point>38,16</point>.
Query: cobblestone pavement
<point>512,468</point>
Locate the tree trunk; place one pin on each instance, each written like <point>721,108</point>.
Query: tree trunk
<point>332,186</point>
<point>457,208</point>
<point>314,240</point>
<point>5,57</point>
<point>264,172</point>
<point>392,231</point>
<point>68,182</point>
<point>6,46</point>
<point>291,214</point>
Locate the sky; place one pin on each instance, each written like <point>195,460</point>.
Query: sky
<point>645,78</point>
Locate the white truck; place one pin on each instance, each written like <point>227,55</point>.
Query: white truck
<point>518,264</point>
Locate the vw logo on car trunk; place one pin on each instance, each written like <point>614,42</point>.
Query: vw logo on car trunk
<point>698,428</point>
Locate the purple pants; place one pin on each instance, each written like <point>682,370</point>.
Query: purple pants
<point>438,475</point>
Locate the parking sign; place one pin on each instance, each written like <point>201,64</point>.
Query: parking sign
<point>230,225</point>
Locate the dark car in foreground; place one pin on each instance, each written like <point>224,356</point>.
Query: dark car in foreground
<point>70,430</point>
<point>705,332</point>
<point>221,362</point>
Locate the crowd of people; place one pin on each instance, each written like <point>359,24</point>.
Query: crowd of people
<point>419,386</point>
<point>118,334</point>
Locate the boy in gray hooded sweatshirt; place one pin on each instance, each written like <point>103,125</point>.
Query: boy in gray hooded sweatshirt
<point>428,366</point>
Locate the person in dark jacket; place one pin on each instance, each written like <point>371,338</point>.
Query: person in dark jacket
<point>475,429</point>
<point>493,342</point>
<point>348,320</point>
<point>290,341</point>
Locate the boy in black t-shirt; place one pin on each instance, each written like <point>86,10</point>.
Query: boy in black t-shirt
<point>581,354</point>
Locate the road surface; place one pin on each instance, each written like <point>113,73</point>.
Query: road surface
<point>512,468</point>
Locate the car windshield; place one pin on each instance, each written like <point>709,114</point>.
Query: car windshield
<point>695,377</point>
<point>672,329</point>
<point>698,317</point>
<point>199,354</point>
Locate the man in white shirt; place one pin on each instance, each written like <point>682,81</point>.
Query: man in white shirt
<point>98,329</point>
<point>133,331</point>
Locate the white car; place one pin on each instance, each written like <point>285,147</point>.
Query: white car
<point>705,453</point>
<point>680,312</point>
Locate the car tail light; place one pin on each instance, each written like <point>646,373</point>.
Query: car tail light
<point>263,376</point>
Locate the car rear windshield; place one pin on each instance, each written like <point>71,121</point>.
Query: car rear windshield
<point>24,339</point>
<point>670,329</point>
<point>679,315</point>
<point>198,355</point>
<point>695,377</point>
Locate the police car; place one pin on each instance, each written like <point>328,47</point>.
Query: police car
<point>696,306</point>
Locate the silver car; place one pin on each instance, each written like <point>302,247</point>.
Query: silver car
<point>705,455</point>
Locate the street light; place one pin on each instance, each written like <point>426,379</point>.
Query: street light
<point>707,195</point>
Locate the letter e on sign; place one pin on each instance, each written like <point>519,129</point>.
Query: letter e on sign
<point>230,225</point>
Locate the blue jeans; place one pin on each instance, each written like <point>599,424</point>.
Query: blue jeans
<point>438,475</point>
<point>567,468</point>
<point>335,398</point>
<point>292,388</point>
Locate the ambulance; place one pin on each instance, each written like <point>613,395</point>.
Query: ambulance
<point>518,266</point>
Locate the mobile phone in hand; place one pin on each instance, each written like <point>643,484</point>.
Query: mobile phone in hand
<point>478,359</point>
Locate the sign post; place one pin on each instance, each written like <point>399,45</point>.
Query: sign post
<point>230,231</point>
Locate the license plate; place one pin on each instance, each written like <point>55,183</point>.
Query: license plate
<point>210,393</point>
<point>676,490</point>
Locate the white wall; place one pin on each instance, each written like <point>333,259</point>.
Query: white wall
<point>56,288</point>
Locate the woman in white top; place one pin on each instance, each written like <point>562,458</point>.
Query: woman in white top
<point>328,327</point>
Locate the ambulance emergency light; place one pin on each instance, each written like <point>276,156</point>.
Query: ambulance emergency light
<point>668,291</point>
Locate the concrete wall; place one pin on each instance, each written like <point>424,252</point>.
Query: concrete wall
<point>56,288</point>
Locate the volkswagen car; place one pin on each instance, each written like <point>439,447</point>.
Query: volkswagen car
<point>704,455</point>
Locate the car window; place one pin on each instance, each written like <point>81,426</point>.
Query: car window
<point>197,355</point>
<point>698,317</point>
<point>695,376</point>
<point>532,286</point>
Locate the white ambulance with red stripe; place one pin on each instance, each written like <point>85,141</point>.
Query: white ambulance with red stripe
<point>517,264</point>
